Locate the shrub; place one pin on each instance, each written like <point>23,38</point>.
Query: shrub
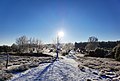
<point>90,46</point>
<point>117,52</point>
<point>97,53</point>
<point>111,53</point>
<point>100,52</point>
<point>91,53</point>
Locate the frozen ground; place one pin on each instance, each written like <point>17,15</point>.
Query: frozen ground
<point>65,69</point>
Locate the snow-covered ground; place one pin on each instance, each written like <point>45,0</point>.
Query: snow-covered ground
<point>65,69</point>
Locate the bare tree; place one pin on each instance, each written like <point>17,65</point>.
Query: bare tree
<point>68,46</point>
<point>28,45</point>
<point>93,39</point>
<point>22,42</point>
<point>34,42</point>
<point>14,47</point>
<point>92,43</point>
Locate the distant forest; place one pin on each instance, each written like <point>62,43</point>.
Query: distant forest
<point>106,45</point>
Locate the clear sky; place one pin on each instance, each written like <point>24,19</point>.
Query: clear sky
<point>42,19</point>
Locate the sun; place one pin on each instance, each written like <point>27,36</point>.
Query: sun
<point>60,33</point>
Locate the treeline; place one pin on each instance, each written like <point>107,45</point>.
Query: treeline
<point>95,48</point>
<point>5,48</point>
<point>23,45</point>
<point>106,45</point>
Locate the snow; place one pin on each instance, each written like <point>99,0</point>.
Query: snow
<point>65,69</point>
<point>28,74</point>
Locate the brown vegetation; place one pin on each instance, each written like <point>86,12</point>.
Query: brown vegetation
<point>100,64</point>
<point>19,64</point>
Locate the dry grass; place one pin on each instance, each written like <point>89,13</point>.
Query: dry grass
<point>4,76</point>
<point>105,64</point>
<point>19,64</point>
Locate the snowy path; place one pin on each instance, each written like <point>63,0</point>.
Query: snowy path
<point>61,70</point>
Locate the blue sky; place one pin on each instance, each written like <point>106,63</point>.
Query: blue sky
<point>42,19</point>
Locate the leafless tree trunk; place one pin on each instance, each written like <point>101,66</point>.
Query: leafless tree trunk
<point>7,60</point>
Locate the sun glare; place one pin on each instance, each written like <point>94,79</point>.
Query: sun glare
<point>61,34</point>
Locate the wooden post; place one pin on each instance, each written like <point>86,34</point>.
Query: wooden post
<point>7,60</point>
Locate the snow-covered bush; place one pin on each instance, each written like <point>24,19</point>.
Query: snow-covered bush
<point>117,52</point>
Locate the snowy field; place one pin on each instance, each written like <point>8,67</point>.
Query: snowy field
<point>65,69</point>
